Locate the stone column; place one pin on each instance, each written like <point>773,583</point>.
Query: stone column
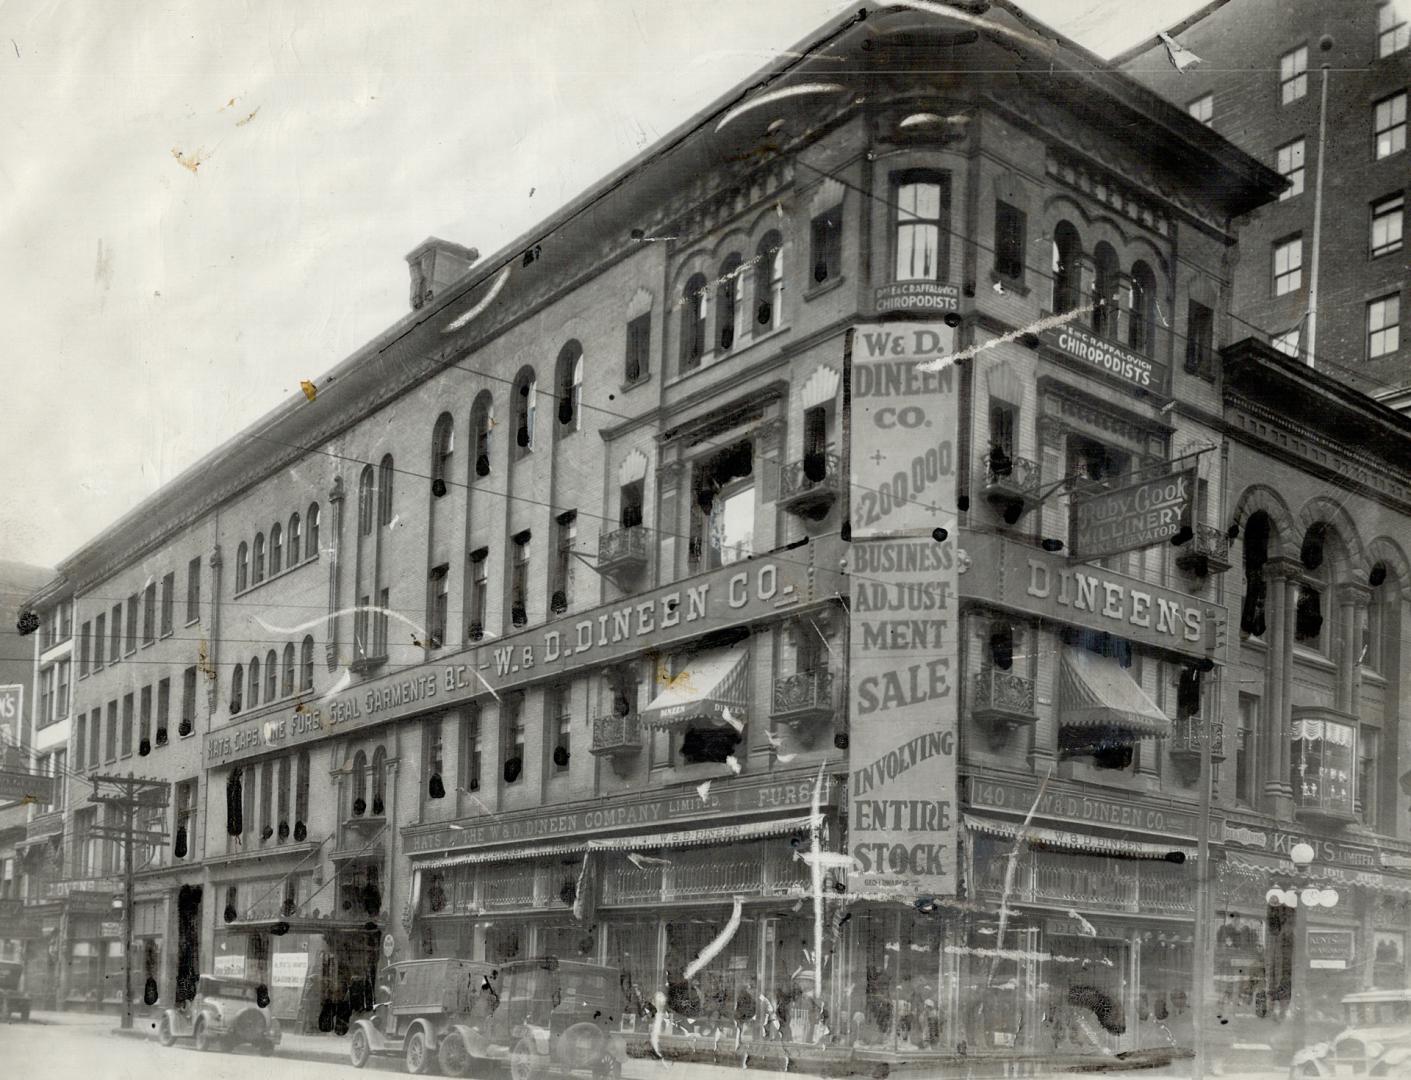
<point>1282,576</point>
<point>1352,600</point>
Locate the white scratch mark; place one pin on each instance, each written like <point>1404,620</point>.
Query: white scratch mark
<point>734,763</point>
<point>941,362</point>
<point>703,790</point>
<point>464,319</point>
<point>712,950</point>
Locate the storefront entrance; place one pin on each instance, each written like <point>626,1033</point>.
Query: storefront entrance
<point>188,942</point>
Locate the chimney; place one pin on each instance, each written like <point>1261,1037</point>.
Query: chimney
<point>434,264</point>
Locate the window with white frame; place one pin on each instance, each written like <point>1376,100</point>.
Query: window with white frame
<point>1393,27</point>
<point>1389,125</point>
<point>1383,326</point>
<point>1387,225</point>
<point>1289,159</point>
<point>1202,108</point>
<point>1293,74</point>
<point>1288,265</point>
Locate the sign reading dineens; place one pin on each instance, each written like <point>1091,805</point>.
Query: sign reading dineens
<point>902,650</point>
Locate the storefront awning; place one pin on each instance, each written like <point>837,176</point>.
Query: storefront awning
<point>714,834</point>
<point>1097,692</point>
<point>711,682</point>
<point>1073,841</point>
<point>1270,870</point>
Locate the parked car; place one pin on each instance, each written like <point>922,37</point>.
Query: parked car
<point>11,1000</point>
<point>538,1017</point>
<point>224,1013</point>
<point>1375,1043</point>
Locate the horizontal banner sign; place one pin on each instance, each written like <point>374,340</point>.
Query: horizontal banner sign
<point>1082,344</point>
<point>26,787</point>
<point>917,296</point>
<point>1132,517</point>
<point>1061,804</point>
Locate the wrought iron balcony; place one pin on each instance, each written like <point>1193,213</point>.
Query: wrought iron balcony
<point>1207,552</point>
<point>615,735</point>
<point>623,551</point>
<point>1001,702</point>
<point>1011,484</point>
<point>1186,736</point>
<point>809,487</point>
<point>804,697</point>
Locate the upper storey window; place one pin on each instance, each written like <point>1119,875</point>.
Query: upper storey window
<point>730,305</point>
<point>1393,27</point>
<point>1293,74</point>
<point>366,483</point>
<point>569,381</point>
<point>1067,274</point>
<point>1389,125</point>
<point>769,282</point>
<point>1106,291</point>
<point>443,445</point>
<point>482,424</point>
<point>923,226</point>
<point>695,314</point>
<point>384,490</point>
<point>1142,328</point>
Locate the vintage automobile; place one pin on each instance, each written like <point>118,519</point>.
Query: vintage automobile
<point>538,1017</point>
<point>1375,1043</point>
<point>11,1000</point>
<point>224,1013</point>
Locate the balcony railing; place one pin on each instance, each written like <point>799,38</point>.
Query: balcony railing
<point>1089,881</point>
<point>1188,733</point>
<point>615,735</point>
<point>1000,702</point>
<point>811,486</point>
<point>624,551</point>
<point>804,697</point>
<point>1011,484</point>
<point>1206,552</point>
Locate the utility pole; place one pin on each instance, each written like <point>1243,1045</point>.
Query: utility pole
<point>130,794</point>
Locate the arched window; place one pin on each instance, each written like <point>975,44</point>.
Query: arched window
<point>525,402</point>
<point>254,694</point>
<point>292,539</point>
<point>365,486</point>
<point>443,444</point>
<point>242,567</point>
<point>1308,610</point>
<point>730,303</point>
<point>257,570</point>
<point>482,423</point>
<point>306,664</point>
<point>1141,335</point>
<point>1257,534</point>
<point>695,313</point>
<point>276,548</point>
<point>1106,297</point>
<point>384,490</point>
<point>769,282</point>
<point>379,779</point>
<point>1378,618</point>
<point>359,803</point>
<point>287,682</point>
<point>237,689</point>
<point>568,379</point>
<point>311,548</point>
<point>271,676</point>
<point>1067,276</point>
<point>301,797</point>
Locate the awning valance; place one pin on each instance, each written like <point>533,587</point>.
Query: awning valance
<point>713,834</point>
<point>710,683</point>
<point>1074,841</point>
<point>1270,870</point>
<point>1097,692</point>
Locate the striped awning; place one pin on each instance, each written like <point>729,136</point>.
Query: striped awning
<point>712,834</point>
<point>1075,841</point>
<point>1097,692</point>
<point>711,684</point>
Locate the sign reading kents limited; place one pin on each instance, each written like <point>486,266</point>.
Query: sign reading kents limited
<point>736,594</point>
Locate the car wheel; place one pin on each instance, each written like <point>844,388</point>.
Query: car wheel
<point>455,1058</point>
<point>526,1063</point>
<point>358,1049</point>
<point>419,1053</point>
<point>204,1041</point>
<point>164,1032</point>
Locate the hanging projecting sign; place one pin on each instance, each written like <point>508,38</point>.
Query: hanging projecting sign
<point>11,714</point>
<point>904,623</point>
<point>1132,517</point>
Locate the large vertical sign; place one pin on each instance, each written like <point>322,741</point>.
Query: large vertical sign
<point>902,658</point>
<point>11,714</point>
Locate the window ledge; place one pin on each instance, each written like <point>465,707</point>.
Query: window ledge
<point>813,292</point>
<point>197,619</point>
<point>272,577</point>
<point>1312,657</point>
<point>715,357</point>
<point>641,380</point>
<point>1014,285</point>
<point>1376,678</point>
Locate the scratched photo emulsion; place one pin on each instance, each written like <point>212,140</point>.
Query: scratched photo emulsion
<point>631,541</point>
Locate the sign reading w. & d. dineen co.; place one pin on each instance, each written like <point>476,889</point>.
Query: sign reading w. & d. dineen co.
<point>904,623</point>
<point>1132,517</point>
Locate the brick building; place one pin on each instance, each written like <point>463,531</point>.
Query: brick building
<point>1318,92</point>
<point>578,612</point>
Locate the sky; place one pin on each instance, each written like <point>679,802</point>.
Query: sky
<point>204,204</point>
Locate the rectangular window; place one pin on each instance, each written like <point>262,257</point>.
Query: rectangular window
<point>115,639</point>
<point>168,603</point>
<point>193,590</point>
<point>1367,752</point>
<point>100,626</point>
<point>65,621</point>
<point>46,697</point>
<point>127,718</point>
<point>631,498</point>
<point>1288,265</point>
<point>479,593</point>
<point>815,435</point>
<point>639,348</point>
<point>1202,108</point>
<point>1011,239</point>
<point>85,648</point>
<point>519,580</point>
<point>95,738</point>
<point>163,710</point>
<point>470,749</point>
<point>1383,326</point>
<point>512,735</point>
<point>1324,763</point>
<point>149,613</point>
<point>61,691</point>
<point>440,604</point>
<point>1393,28</point>
<point>561,588</point>
<point>112,747</point>
<point>1200,339</point>
<point>1002,441</point>
<point>1289,160</point>
<point>133,603</point>
<point>379,624</point>
<point>722,515</point>
<point>188,702</point>
<point>60,758</point>
<point>922,227</point>
<point>360,628</point>
<point>144,722</point>
<point>435,759</point>
<point>826,245</point>
<point>1293,75</point>
<point>1287,342</point>
<point>80,742</point>
<point>183,844</point>
<point>1389,125</point>
<point>562,725</point>
<point>1387,225</point>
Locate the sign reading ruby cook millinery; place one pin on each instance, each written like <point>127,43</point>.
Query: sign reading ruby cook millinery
<point>903,640</point>
<point>1131,517</point>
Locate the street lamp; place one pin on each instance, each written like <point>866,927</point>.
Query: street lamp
<point>1310,896</point>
